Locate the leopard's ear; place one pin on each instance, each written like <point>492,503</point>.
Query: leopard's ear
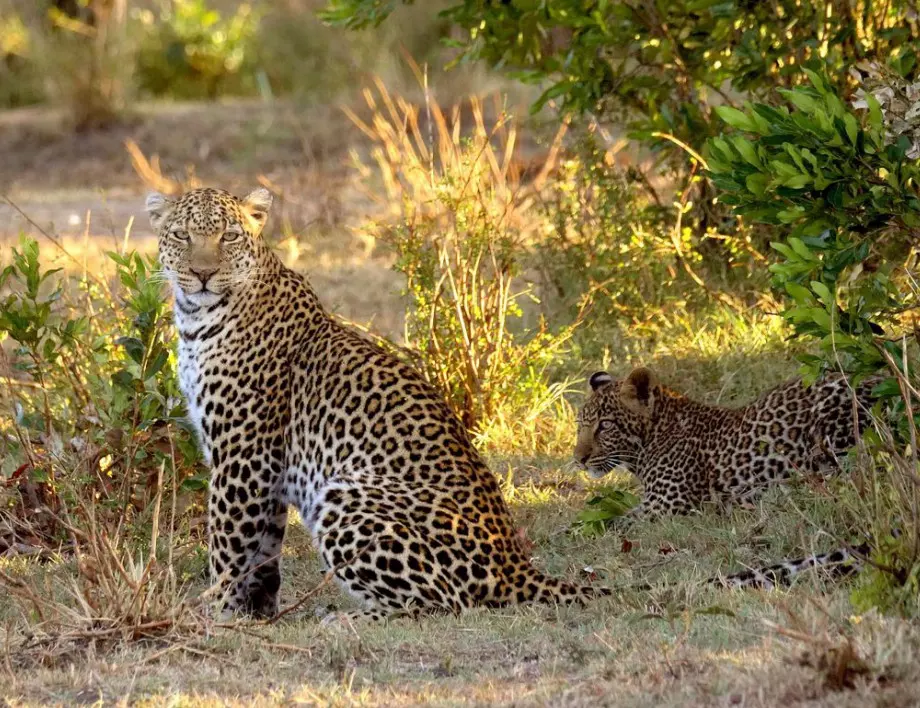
<point>637,391</point>
<point>159,207</point>
<point>599,379</point>
<point>257,204</point>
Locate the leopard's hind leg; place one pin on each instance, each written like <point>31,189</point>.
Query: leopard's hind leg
<point>389,567</point>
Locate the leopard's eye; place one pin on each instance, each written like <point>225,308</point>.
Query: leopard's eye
<point>179,235</point>
<point>230,236</point>
<point>604,425</point>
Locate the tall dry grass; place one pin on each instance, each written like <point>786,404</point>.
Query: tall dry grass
<point>457,197</point>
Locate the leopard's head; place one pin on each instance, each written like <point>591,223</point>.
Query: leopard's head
<point>613,424</point>
<point>209,241</point>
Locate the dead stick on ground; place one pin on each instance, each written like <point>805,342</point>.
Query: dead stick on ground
<point>266,643</point>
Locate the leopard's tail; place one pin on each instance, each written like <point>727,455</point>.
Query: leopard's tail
<point>838,563</point>
<point>531,585</point>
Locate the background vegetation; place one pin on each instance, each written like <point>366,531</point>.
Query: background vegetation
<point>727,191</point>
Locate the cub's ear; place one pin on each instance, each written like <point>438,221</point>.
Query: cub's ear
<point>159,207</point>
<point>257,204</point>
<point>636,391</point>
<point>600,379</point>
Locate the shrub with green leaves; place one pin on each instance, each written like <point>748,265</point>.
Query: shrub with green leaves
<point>613,255</point>
<point>92,407</point>
<point>190,50</point>
<point>606,247</point>
<point>840,191</point>
<point>845,200</point>
<point>661,64</point>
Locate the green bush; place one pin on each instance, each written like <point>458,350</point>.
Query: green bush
<point>841,188</point>
<point>846,200</point>
<point>606,248</point>
<point>658,68</point>
<point>616,254</point>
<point>190,50</point>
<point>661,64</point>
<point>20,84</point>
<point>95,411</point>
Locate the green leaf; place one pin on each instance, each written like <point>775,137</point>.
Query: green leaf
<point>797,181</point>
<point>876,120</point>
<point>799,247</point>
<point>155,366</point>
<point>783,169</point>
<point>801,100</point>
<point>133,346</point>
<point>821,318</point>
<point>735,118</point>
<point>197,483</point>
<point>822,291</point>
<point>746,149</point>
<point>887,388</point>
<point>799,293</point>
<point>123,379</point>
<point>784,249</point>
<point>852,127</point>
<point>816,80</point>
<point>757,183</point>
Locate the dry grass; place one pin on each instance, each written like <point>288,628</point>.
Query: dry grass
<point>700,646</point>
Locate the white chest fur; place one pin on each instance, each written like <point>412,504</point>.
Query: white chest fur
<point>193,355</point>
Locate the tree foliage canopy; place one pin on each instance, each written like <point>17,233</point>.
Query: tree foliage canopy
<point>663,64</point>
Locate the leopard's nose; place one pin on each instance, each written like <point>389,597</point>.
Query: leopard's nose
<point>203,274</point>
<point>583,459</point>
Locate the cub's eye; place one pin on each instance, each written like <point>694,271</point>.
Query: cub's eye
<point>179,235</point>
<point>230,236</point>
<point>604,425</point>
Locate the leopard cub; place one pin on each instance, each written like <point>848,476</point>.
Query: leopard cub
<point>685,452</point>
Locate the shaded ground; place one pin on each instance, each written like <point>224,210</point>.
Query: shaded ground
<point>682,644</point>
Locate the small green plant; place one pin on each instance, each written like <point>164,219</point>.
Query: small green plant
<point>93,410</point>
<point>606,506</point>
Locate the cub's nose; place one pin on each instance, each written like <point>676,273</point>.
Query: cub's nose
<point>203,274</point>
<point>583,459</point>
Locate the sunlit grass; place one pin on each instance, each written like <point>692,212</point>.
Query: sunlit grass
<point>682,644</point>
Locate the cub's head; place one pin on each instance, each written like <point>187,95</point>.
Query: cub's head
<point>613,423</point>
<point>209,241</point>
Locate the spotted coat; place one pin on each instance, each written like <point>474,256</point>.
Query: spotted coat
<point>292,408</point>
<point>685,452</point>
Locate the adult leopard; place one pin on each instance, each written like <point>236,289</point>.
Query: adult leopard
<point>293,408</point>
